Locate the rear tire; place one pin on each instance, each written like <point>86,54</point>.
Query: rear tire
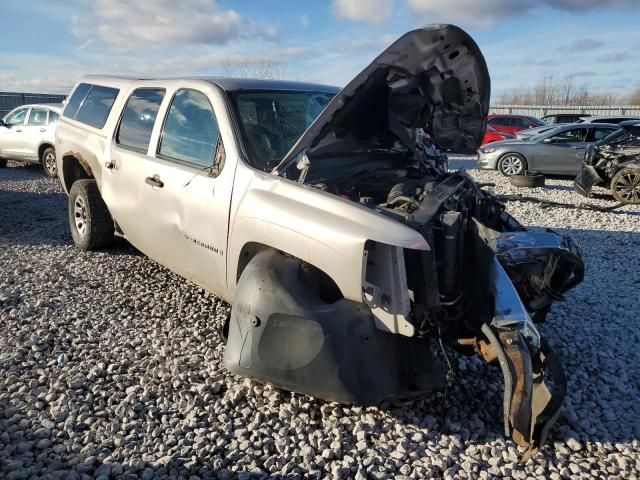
<point>512,164</point>
<point>3,163</point>
<point>48,160</point>
<point>89,219</point>
<point>625,186</point>
<point>528,181</point>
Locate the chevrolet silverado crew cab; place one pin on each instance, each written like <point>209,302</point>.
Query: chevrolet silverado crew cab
<point>27,134</point>
<point>354,261</point>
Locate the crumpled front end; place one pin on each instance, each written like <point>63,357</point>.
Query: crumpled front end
<point>603,161</point>
<point>478,284</point>
<point>482,288</point>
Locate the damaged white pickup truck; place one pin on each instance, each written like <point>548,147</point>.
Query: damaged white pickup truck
<point>353,260</point>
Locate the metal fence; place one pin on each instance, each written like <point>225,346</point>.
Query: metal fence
<point>542,110</point>
<point>11,100</point>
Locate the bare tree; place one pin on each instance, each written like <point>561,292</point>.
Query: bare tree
<point>634,98</point>
<point>553,91</point>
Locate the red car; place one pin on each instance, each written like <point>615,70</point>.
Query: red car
<point>493,135</point>
<point>513,123</point>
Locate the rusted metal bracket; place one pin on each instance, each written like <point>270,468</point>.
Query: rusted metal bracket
<point>529,408</point>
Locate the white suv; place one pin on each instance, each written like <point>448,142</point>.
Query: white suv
<point>27,134</point>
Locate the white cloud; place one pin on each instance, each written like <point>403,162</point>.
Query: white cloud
<point>304,21</point>
<point>368,11</point>
<point>581,45</point>
<point>126,23</point>
<point>581,5</point>
<point>48,73</point>
<point>491,12</point>
<point>37,73</point>
<point>470,12</point>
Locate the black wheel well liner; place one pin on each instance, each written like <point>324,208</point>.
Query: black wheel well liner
<point>73,169</point>
<point>42,148</point>
<point>321,282</point>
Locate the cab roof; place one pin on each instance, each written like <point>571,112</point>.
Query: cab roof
<point>227,84</point>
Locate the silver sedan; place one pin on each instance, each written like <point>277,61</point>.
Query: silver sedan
<point>557,151</point>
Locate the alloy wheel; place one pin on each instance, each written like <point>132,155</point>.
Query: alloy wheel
<point>80,215</point>
<point>50,162</point>
<point>511,165</point>
<point>627,186</point>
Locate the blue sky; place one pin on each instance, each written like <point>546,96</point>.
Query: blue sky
<point>48,44</point>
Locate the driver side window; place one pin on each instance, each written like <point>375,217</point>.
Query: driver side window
<point>190,134</point>
<point>568,136</point>
<point>17,117</point>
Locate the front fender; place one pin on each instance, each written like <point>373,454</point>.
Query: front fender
<point>322,229</point>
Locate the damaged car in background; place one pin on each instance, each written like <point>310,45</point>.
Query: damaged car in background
<point>614,163</point>
<point>354,260</point>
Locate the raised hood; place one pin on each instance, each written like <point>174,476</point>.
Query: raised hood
<point>434,78</point>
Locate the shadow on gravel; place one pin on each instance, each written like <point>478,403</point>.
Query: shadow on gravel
<point>564,188</point>
<point>28,218</point>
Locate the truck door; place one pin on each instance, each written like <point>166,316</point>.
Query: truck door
<point>173,201</point>
<point>11,134</point>
<point>34,132</point>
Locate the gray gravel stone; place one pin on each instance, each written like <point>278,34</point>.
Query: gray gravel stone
<point>111,365</point>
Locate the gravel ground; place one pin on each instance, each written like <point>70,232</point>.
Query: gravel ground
<point>110,367</point>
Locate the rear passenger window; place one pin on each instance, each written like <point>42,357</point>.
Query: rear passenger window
<point>138,118</point>
<point>96,106</point>
<point>53,117</point>
<point>190,132</point>
<point>600,133</point>
<point>76,99</point>
<point>38,116</point>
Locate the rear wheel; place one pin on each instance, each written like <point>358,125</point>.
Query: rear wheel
<point>48,160</point>
<point>625,186</point>
<point>512,164</point>
<point>3,162</point>
<point>89,219</point>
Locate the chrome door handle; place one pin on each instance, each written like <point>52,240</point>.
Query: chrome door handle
<point>43,129</point>
<point>18,130</point>
<point>154,181</point>
<point>577,148</point>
